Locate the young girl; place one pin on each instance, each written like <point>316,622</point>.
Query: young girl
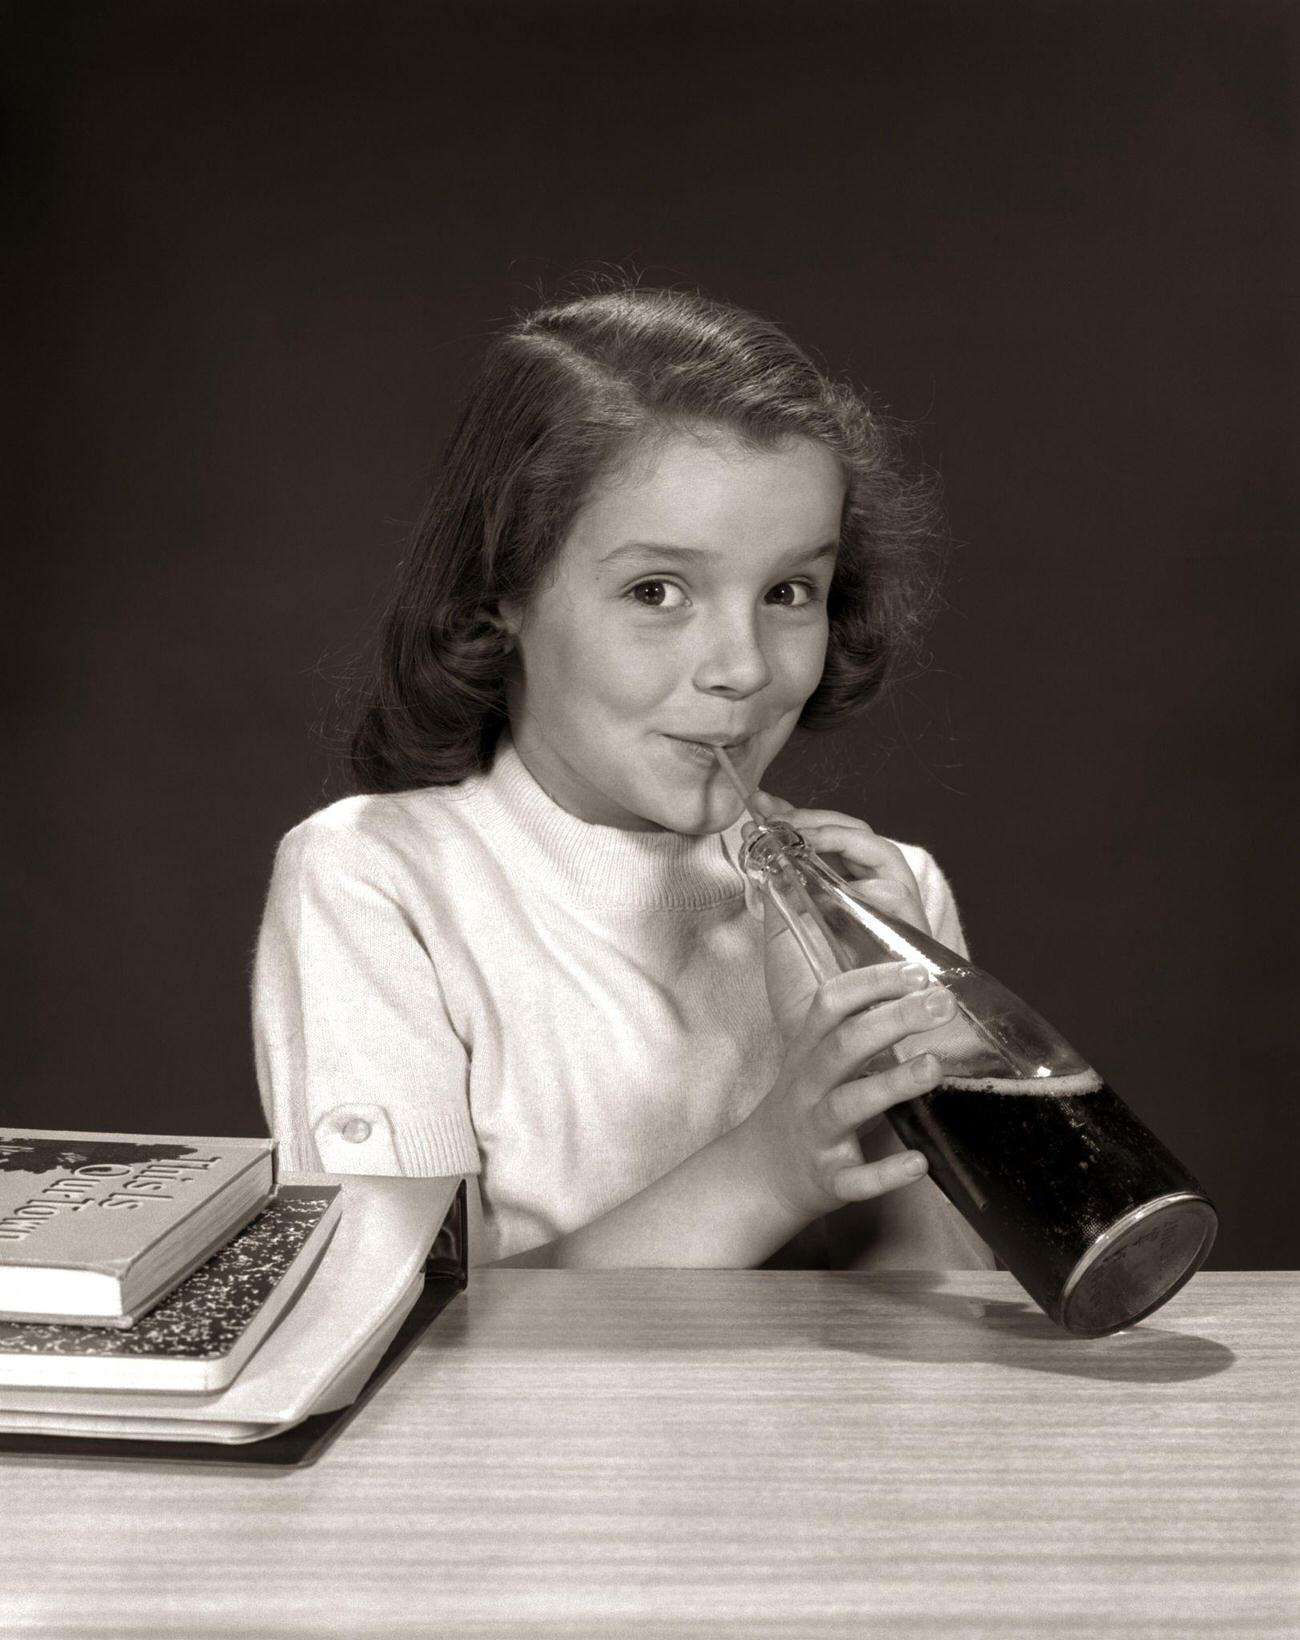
<point>525,953</point>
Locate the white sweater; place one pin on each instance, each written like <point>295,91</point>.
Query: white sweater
<point>469,979</point>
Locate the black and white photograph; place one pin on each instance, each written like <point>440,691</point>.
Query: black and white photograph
<point>650,825</point>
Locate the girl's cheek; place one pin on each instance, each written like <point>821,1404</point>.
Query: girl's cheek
<point>650,659</point>
<point>804,663</point>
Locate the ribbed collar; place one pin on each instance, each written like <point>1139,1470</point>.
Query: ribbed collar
<point>601,865</point>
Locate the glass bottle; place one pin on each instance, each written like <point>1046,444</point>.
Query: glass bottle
<point>1078,1198</point>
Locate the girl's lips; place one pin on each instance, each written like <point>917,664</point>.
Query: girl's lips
<point>703,749</point>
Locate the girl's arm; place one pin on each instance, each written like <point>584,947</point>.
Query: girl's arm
<point>358,1066</point>
<point>739,1198</point>
<point>715,1208</point>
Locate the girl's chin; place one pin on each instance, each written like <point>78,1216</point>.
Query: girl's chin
<point>704,816</point>
<point>701,804</point>
<point>681,788</point>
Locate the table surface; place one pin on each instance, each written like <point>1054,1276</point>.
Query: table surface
<point>746,1453</point>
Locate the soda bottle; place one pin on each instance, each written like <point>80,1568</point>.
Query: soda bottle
<point>1081,1202</point>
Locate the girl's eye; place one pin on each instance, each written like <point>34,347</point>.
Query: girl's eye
<point>803,590</point>
<point>656,595</point>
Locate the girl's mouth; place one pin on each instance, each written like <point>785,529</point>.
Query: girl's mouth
<point>702,750</point>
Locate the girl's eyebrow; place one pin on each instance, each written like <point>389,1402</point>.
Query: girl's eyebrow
<point>663,549</point>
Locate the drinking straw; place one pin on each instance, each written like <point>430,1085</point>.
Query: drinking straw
<point>821,968</point>
<point>729,769</point>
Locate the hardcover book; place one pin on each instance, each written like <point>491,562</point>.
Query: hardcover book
<point>199,1336</point>
<point>96,1227</point>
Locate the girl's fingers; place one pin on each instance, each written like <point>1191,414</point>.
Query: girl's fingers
<point>810,817</point>
<point>894,898</point>
<point>768,806</point>
<point>844,996</point>
<point>831,833</point>
<point>851,847</point>
<point>847,1048</point>
<point>860,1184</point>
<point>859,846</point>
<point>834,826</point>
<point>851,1105</point>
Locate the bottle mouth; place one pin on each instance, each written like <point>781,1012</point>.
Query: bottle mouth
<point>766,845</point>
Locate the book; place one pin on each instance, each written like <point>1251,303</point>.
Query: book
<point>367,1300</point>
<point>96,1227</point>
<point>199,1336</point>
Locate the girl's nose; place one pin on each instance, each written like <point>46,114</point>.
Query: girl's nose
<point>732,660</point>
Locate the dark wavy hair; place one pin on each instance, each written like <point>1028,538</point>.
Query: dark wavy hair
<point>562,396</point>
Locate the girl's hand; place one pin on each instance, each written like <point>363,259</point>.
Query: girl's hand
<point>803,1134</point>
<point>874,867</point>
<point>850,847</point>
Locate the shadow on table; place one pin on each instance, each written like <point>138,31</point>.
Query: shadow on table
<point>664,1315</point>
<point>915,1321</point>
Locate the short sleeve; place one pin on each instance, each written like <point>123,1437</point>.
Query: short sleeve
<point>937,898</point>
<point>359,1066</point>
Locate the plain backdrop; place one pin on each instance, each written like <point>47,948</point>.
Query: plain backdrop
<point>255,249</point>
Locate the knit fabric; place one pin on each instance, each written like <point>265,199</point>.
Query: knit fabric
<point>469,979</point>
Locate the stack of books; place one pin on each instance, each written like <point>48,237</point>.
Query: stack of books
<point>169,1297</point>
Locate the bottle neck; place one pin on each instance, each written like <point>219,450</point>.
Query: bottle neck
<point>996,1038</point>
<point>781,863</point>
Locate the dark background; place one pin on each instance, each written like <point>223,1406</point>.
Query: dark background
<point>257,248</point>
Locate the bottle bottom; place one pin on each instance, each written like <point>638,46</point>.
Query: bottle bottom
<point>1137,1264</point>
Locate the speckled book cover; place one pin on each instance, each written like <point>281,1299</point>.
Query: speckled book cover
<point>197,1338</point>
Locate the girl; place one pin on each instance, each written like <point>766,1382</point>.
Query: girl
<point>525,952</point>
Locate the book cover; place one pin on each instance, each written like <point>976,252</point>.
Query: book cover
<point>94,1227</point>
<point>199,1336</point>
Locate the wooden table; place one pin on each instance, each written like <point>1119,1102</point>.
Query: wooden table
<point>728,1453</point>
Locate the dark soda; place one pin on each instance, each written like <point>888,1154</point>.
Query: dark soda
<point>1078,1198</point>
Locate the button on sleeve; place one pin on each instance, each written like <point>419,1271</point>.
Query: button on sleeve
<point>357,1139</point>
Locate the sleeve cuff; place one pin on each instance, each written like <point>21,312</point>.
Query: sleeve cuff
<point>363,1138</point>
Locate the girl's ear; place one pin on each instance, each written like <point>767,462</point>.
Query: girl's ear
<point>508,617</point>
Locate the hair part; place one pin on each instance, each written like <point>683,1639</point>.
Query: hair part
<point>562,397</point>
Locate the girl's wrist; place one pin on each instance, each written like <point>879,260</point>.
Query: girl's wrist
<point>764,1184</point>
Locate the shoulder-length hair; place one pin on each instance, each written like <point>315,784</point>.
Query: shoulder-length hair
<point>561,396</point>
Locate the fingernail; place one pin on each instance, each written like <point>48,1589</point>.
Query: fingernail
<point>923,1068</point>
<point>938,1004</point>
<point>914,1166</point>
<point>914,976</point>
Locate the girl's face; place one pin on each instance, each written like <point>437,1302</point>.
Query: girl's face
<point>687,606</point>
